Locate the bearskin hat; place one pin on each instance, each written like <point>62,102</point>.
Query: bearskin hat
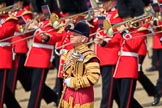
<point>18,0</point>
<point>38,3</point>
<point>2,1</point>
<point>146,2</point>
<point>73,6</point>
<point>130,8</point>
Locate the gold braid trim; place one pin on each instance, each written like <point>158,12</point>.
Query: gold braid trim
<point>66,104</point>
<point>11,18</point>
<point>88,105</point>
<point>80,80</point>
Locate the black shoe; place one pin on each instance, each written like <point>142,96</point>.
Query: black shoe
<point>156,100</point>
<point>153,68</point>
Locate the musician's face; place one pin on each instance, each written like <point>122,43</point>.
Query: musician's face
<point>77,39</point>
<point>19,4</point>
<point>2,5</point>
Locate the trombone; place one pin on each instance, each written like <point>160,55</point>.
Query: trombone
<point>143,19</point>
<point>109,27</point>
<point>82,13</point>
<point>8,9</point>
<point>63,51</point>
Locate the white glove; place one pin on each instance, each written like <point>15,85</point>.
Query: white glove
<point>67,81</point>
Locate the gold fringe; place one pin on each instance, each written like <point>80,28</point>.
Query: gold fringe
<point>66,104</point>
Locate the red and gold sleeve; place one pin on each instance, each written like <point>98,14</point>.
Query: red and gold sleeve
<point>90,76</point>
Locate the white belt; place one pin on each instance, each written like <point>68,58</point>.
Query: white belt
<point>122,53</point>
<point>17,33</point>
<point>3,44</point>
<point>39,45</point>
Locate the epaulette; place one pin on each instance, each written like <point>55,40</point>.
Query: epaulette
<point>26,12</point>
<point>11,18</point>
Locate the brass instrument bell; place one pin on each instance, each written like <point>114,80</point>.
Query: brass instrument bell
<point>107,28</point>
<point>54,20</point>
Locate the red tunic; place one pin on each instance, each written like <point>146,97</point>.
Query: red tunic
<point>143,47</point>
<point>22,46</point>
<point>40,53</point>
<point>157,36</point>
<point>6,30</point>
<point>107,55</point>
<point>127,64</point>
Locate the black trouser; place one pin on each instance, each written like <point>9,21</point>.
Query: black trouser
<point>126,88</point>
<point>159,81</point>
<point>59,81</point>
<point>56,60</point>
<point>109,90</point>
<point>145,81</point>
<point>155,58</point>
<point>5,93</point>
<point>39,89</point>
<point>19,72</point>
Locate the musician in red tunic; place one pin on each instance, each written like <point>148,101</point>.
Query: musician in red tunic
<point>7,28</point>
<point>146,83</point>
<point>38,59</point>
<point>157,48</point>
<point>126,71</point>
<point>108,57</point>
<point>20,49</point>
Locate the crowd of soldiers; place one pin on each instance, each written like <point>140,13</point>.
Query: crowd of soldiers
<point>36,35</point>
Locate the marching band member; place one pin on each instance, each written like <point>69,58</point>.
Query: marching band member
<point>142,78</point>
<point>20,50</point>
<point>126,71</point>
<point>38,59</point>
<point>157,47</point>
<point>7,28</point>
<point>80,71</point>
<point>107,66</point>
